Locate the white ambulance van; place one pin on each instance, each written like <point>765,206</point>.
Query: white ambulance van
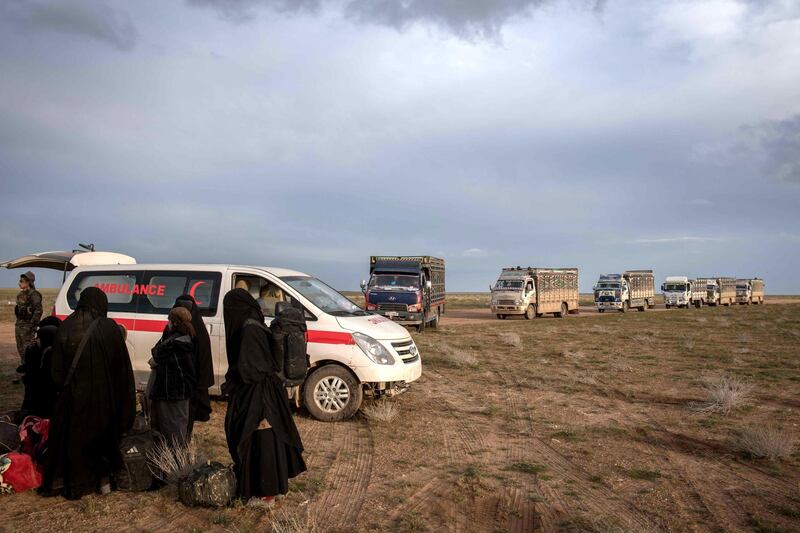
<point>351,352</point>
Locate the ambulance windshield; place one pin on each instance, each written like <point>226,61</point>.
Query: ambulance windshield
<point>326,298</point>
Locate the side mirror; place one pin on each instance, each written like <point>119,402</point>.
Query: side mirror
<point>363,285</point>
<point>662,287</point>
<point>428,284</point>
<point>490,288</point>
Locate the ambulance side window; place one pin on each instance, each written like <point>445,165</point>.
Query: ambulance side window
<point>120,289</point>
<point>267,294</point>
<point>161,288</point>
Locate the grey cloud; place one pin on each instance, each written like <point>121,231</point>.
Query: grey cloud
<point>468,19</point>
<point>239,11</point>
<point>91,20</point>
<point>465,18</point>
<point>776,145</point>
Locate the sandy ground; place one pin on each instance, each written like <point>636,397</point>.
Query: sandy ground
<point>522,426</point>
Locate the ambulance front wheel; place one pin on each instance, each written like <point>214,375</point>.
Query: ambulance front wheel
<point>332,393</point>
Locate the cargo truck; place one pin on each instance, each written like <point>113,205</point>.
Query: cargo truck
<point>409,290</point>
<point>532,292</point>
<point>712,290</point>
<point>749,291</point>
<point>680,291</point>
<point>724,289</point>
<point>620,292</point>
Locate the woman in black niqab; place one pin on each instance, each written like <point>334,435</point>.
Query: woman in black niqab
<point>262,437</point>
<point>95,407</point>
<point>200,402</point>
<point>40,392</point>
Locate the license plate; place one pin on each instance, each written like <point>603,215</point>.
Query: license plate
<point>392,314</point>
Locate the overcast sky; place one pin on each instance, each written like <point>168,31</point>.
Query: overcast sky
<point>310,134</point>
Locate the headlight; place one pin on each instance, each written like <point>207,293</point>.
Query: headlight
<point>414,308</point>
<point>373,349</point>
<point>517,301</point>
<point>494,302</point>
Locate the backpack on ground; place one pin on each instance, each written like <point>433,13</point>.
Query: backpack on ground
<point>135,447</point>
<point>210,485</point>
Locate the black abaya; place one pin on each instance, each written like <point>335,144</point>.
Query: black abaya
<point>95,408</point>
<point>200,402</point>
<point>264,459</point>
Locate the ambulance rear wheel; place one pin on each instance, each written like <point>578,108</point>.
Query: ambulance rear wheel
<point>332,393</point>
<point>530,313</point>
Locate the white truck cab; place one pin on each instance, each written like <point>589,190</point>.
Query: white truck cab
<point>680,291</point>
<point>351,351</point>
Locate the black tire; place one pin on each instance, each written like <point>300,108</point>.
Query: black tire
<point>666,306</point>
<point>624,308</point>
<point>530,312</point>
<point>435,322</point>
<point>563,312</point>
<point>330,383</point>
<point>642,307</point>
<point>501,317</point>
<point>601,310</point>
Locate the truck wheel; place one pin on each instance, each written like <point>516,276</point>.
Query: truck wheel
<point>435,322</point>
<point>563,312</point>
<point>332,393</point>
<point>530,312</point>
<point>501,317</point>
<point>421,325</point>
<point>601,310</point>
<point>624,308</point>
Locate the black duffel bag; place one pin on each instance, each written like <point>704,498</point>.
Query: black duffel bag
<point>135,447</point>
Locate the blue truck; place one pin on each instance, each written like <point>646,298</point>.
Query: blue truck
<point>409,290</point>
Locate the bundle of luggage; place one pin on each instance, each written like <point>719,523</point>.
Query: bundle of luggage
<point>22,450</point>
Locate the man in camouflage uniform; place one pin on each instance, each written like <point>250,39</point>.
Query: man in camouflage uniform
<point>28,311</point>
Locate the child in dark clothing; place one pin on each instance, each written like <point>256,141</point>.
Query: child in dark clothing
<point>173,377</point>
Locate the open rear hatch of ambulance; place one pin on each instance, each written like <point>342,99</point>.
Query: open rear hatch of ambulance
<point>66,261</point>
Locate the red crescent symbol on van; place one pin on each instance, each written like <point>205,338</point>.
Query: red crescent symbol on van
<point>194,288</point>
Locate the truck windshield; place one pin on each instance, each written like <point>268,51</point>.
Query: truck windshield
<point>675,287</point>
<point>711,287</point>
<point>508,284</point>
<point>606,285</point>
<point>323,296</point>
<point>390,281</point>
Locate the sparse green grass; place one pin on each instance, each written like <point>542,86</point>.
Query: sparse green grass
<point>646,475</point>
<point>527,468</point>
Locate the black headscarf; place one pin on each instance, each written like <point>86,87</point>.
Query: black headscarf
<point>93,301</point>
<point>48,328</point>
<point>238,305</point>
<point>204,364</point>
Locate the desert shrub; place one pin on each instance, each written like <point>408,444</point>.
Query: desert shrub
<point>446,355</point>
<point>509,338</point>
<point>380,411</point>
<point>763,442</point>
<point>171,463</point>
<point>724,394</point>
<point>284,522</point>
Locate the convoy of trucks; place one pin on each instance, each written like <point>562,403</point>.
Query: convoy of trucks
<point>620,292</point>
<point>409,290</point>
<point>532,292</point>
<point>750,291</point>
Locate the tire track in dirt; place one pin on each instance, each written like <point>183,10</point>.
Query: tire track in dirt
<point>599,500</point>
<point>348,478</point>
